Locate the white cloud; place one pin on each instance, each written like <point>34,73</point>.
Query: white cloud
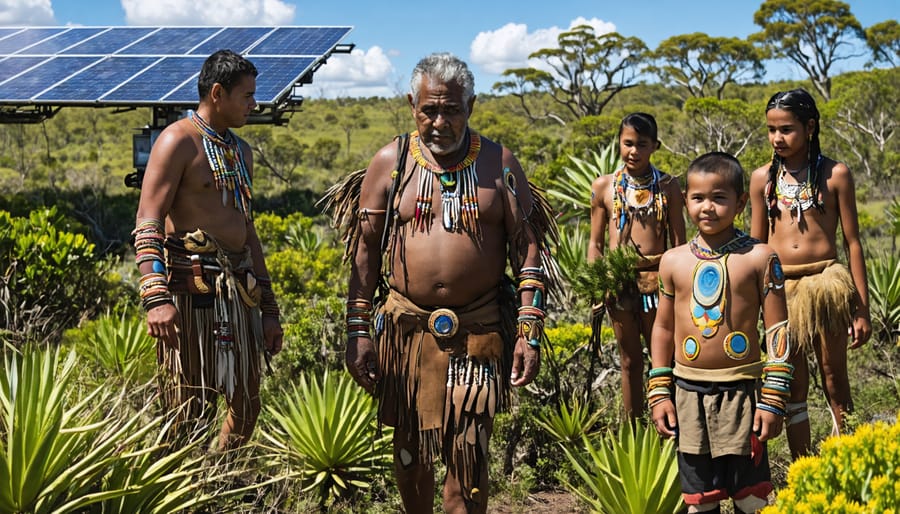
<point>208,12</point>
<point>510,45</point>
<point>360,73</point>
<point>26,12</point>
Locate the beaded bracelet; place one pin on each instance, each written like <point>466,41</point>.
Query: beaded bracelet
<point>154,290</point>
<point>149,236</point>
<point>659,386</point>
<point>774,410</point>
<point>776,388</point>
<point>359,318</point>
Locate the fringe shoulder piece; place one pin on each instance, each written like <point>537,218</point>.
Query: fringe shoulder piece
<point>341,201</point>
<point>542,221</point>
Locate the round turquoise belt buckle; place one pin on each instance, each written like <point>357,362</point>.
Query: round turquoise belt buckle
<point>443,323</point>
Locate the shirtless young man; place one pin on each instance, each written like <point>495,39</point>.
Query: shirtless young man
<point>443,349</point>
<point>638,206</point>
<point>194,235</point>
<point>707,322</point>
<point>798,201</point>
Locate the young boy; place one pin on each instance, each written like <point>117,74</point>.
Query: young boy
<point>824,297</point>
<point>718,413</point>
<point>642,207</point>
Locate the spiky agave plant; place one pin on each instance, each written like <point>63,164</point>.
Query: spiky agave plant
<point>567,424</point>
<point>324,433</point>
<point>120,346</point>
<point>65,450</point>
<point>573,187</point>
<point>884,288</point>
<point>632,471</point>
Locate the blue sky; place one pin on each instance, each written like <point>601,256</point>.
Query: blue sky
<point>391,36</point>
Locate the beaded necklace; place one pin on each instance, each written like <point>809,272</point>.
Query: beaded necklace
<point>226,162</point>
<point>796,197</point>
<point>710,282</point>
<point>459,188</point>
<point>740,240</point>
<point>637,197</point>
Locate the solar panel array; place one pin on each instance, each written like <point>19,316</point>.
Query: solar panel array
<point>149,65</point>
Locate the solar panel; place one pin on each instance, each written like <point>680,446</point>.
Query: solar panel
<point>110,41</point>
<point>159,80</point>
<point>15,65</point>
<point>297,41</point>
<point>237,39</point>
<point>26,38</point>
<point>99,79</point>
<point>150,65</point>
<point>32,82</point>
<point>170,41</point>
<point>64,40</point>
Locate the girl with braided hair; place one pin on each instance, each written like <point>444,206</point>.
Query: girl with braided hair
<point>797,201</point>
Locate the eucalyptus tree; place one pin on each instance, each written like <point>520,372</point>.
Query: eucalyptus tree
<point>703,66</point>
<point>814,34</point>
<point>729,125</point>
<point>865,115</point>
<point>276,151</point>
<point>884,42</point>
<point>582,74</point>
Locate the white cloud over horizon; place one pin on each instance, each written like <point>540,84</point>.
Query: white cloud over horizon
<point>372,73</point>
<point>360,73</point>
<point>509,46</point>
<point>208,12</point>
<point>26,12</point>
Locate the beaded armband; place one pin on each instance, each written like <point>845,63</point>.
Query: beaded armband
<point>267,303</point>
<point>777,372</point>
<point>659,386</point>
<point>530,323</point>
<point>359,318</point>
<point>149,236</point>
<point>774,278</point>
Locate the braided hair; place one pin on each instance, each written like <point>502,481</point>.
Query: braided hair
<point>802,105</point>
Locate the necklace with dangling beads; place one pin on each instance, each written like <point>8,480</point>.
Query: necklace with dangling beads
<point>458,183</point>
<point>795,197</point>
<point>226,162</point>
<point>637,196</point>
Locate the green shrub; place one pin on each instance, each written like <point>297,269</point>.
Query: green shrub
<point>50,277</point>
<point>851,473</point>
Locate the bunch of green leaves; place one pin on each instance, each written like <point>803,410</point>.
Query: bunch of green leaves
<point>633,471</point>
<point>606,276</point>
<point>324,433</point>
<point>884,289</point>
<point>50,276</point>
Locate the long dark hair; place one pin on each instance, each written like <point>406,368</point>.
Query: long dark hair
<point>642,123</point>
<point>803,106</point>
